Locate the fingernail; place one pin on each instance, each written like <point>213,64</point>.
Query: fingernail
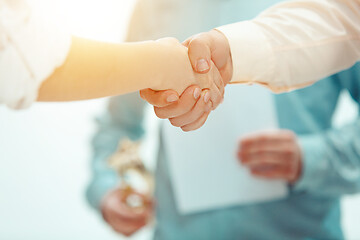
<point>202,65</point>
<point>172,98</point>
<point>222,101</point>
<point>197,93</point>
<point>207,97</point>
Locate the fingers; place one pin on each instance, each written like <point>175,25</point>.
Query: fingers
<point>212,45</point>
<point>264,157</point>
<point>272,140</point>
<point>159,98</point>
<point>269,162</point>
<point>191,110</point>
<point>197,124</point>
<point>186,102</point>
<point>272,155</point>
<point>209,52</point>
<point>272,167</point>
<point>197,112</point>
<point>269,136</point>
<point>122,218</point>
<point>199,52</point>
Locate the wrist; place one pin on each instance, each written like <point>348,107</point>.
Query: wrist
<point>252,59</point>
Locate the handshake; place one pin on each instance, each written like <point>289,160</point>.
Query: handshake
<point>189,102</point>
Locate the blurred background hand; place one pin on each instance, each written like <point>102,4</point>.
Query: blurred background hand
<point>272,155</point>
<point>122,218</point>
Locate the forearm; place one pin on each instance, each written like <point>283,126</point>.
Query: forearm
<point>295,43</point>
<point>94,69</point>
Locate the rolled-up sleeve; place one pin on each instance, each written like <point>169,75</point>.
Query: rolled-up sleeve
<point>30,50</point>
<point>295,43</point>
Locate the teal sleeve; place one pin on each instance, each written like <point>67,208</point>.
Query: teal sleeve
<point>331,161</point>
<point>123,119</point>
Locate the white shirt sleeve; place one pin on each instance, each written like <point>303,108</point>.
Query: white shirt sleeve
<point>30,50</point>
<point>295,43</point>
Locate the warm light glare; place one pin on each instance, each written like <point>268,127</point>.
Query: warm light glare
<point>97,19</point>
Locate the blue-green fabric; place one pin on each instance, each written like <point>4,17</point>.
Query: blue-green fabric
<point>312,210</point>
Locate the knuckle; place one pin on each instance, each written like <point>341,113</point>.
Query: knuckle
<point>175,123</point>
<point>159,113</point>
<point>191,128</point>
<point>186,129</point>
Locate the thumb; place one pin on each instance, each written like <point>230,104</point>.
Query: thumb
<point>199,53</point>
<point>159,98</point>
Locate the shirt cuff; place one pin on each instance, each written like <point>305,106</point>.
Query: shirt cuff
<point>252,55</point>
<point>313,160</point>
<point>40,47</point>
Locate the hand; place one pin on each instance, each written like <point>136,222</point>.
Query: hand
<point>272,155</point>
<point>208,47</point>
<point>189,112</point>
<point>122,218</point>
<point>180,75</point>
<point>202,49</point>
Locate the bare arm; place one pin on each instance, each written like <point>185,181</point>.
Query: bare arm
<point>40,62</point>
<point>95,69</point>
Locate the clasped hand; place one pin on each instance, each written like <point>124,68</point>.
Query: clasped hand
<point>209,54</point>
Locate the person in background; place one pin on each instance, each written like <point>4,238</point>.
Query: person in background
<point>309,155</point>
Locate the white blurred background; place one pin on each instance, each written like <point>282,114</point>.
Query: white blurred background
<point>45,151</point>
